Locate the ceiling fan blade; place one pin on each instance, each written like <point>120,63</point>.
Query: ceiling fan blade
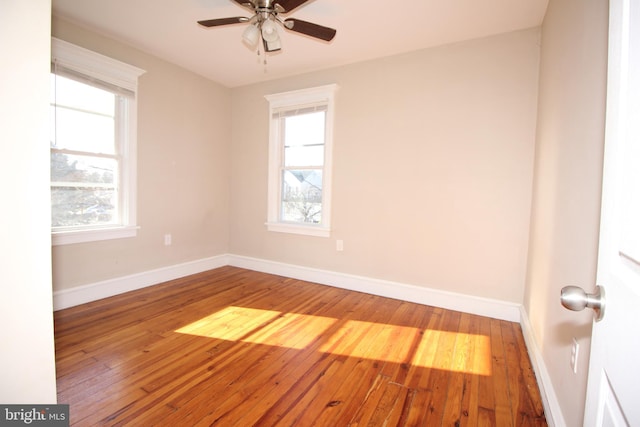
<point>249,4</point>
<point>223,21</point>
<point>289,5</point>
<point>310,29</point>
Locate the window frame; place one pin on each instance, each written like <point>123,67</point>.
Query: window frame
<point>321,95</point>
<point>118,76</point>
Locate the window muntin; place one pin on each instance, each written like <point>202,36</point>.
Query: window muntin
<point>93,145</point>
<point>300,161</point>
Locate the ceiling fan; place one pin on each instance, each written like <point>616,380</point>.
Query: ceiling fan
<point>264,19</point>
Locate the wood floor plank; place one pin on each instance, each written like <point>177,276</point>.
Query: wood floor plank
<point>440,376</point>
<point>416,408</point>
<point>523,396</point>
<point>462,357</point>
<point>234,347</point>
<point>425,353</point>
<point>390,407</point>
<point>370,403</point>
<point>503,405</point>
<point>479,359</point>
<point>528,377</point>
<point>486,394</point>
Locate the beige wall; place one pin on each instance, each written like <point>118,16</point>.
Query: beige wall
<point>566,204</point>
<point>27,360</point>
<point>433,164</point>
<point>184,129</point>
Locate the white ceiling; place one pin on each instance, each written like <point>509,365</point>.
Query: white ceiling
<point>367,29</point>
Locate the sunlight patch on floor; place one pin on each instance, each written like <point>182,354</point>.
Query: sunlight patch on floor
<point>430,348</point>
<point>450,351</point>
<point>257,326</point>
<point>457,352</point>
<point>292,330</point>
<point>231,323</point>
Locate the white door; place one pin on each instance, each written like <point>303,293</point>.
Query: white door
<point>613,392</point>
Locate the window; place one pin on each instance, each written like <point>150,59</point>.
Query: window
<point>300,146</point>
<point>93,146</point>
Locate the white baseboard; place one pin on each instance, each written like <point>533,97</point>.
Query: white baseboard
<point>452,301</point>
<point>552,409</point>
<point>82,294</point>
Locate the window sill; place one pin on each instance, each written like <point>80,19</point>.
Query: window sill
<point>308,230</point>
<point>69,237</point>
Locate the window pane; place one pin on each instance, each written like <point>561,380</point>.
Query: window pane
<point>82,117</point>
<point>77,206</point>
<point>81,131</point>
<point>83,190</point>
<point>71,93</point>
<point>302,196</point>
<point>304,137</point>
<point>83,169</point>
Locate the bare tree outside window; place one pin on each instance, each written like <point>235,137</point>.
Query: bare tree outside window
<point>302,196</point>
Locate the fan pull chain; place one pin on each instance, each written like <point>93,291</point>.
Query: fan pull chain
<point>264,60</point>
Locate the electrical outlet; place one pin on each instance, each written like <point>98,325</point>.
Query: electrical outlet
<point>167,239</point>
<point>339,245</point>
<point>575,350</point>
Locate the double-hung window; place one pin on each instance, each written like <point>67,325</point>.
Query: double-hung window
<point>93,146</point>
<point>300,152</point>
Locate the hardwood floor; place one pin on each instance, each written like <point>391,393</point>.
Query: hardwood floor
<point>233,347</point>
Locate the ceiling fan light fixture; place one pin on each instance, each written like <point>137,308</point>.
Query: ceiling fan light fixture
<point>269,31</point>
<point>251,35</point>
<point>272,46</point>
